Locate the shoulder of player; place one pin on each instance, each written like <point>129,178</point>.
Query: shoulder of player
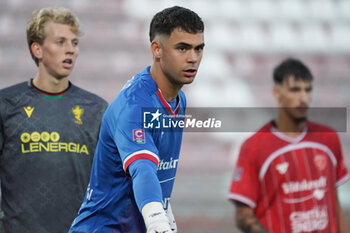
<point>14,94</point>
<point>14,89</point>
<point>259,137</point>
<point>136,91</point>
<point>87,95</point>
<point>315,127</point>
<point>131,99</point>
<point>323,134</point>
<point>253,140</point>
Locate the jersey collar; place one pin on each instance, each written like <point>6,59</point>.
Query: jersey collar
<point>50,95</point>
<point>287,138</point>
<point>167,105</point>
<point>149,81</point>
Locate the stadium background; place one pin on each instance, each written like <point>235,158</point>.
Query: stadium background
<point>244,41</point>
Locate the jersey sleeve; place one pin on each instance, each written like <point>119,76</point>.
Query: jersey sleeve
<point>133,142</point>
<point>342,172</point>
<point>245,180</point>
<point>145,182</point>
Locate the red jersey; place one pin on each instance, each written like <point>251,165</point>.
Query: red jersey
<point>291,182</point>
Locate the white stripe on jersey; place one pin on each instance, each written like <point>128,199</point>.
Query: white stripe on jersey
<point>163,181</point>
<point>140,152</point>
<point>343,180</point>
<point>242,199</point>
<point>290,147</point>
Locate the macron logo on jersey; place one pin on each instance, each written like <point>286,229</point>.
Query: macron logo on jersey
<point>29,110</point>
<point>166,165</point>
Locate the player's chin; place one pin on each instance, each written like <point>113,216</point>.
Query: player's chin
<point>300,118</point>
<point>187,79</point>
<point>62,75</point>
<point>300,114</point>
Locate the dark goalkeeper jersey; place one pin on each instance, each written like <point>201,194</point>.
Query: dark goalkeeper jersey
<point>47,145</point>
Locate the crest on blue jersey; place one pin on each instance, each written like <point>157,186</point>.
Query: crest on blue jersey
<point>138,135</point>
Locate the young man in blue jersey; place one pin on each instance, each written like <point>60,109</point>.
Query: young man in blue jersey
<point>134,168</point>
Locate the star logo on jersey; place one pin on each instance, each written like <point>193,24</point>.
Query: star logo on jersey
<point>156,115</point>
<point>151,120</point>
<point>29,110</point>
<point>320,161</point>
<point>77,111</point>
<point>282,168</point>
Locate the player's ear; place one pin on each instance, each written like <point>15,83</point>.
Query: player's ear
<point>276,92</point>
<point>36,50</point>
<point>156,48</point>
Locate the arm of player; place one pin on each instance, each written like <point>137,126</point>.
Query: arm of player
<point>148,195</point>
<point>246,219</point>
<point>342,228</point>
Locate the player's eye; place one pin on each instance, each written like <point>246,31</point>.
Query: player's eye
<point>199,48</point>
<point>309,89</point>
<point>60,42</point>
<point>294,89</point>
<point>75,43</point>
<point>181,48</point>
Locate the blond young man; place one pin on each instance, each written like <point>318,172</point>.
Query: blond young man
<point>48,131</point>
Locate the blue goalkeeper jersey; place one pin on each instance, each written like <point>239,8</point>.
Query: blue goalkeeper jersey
<point>139,124</point>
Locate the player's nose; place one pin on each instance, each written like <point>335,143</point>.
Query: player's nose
<point>305,97</point>
<point>192,56</point>
<point>70,48</point>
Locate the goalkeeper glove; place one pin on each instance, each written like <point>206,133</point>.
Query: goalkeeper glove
<point>171,218</point>
<point>155,218</point>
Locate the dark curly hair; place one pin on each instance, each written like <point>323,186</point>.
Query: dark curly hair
<point>291,67</point>
<point>165,21</point>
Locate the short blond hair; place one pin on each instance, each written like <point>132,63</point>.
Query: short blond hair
<point>36,24</point>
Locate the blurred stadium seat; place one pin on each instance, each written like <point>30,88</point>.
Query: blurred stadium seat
<point>294,11</point>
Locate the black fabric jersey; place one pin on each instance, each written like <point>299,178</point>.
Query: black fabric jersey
<point>47,145</point>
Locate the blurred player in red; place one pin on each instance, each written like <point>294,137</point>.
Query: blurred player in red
<point>286,175</point>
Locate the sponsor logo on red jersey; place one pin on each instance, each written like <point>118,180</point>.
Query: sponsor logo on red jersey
<point>304,185</point>
<point>312,220</point>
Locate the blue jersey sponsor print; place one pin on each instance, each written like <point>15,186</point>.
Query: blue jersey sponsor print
<point>109,205</point>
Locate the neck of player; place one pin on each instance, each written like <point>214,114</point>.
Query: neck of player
<point>49,83</point>
<point>289,125</point>
<point>169,90</point>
